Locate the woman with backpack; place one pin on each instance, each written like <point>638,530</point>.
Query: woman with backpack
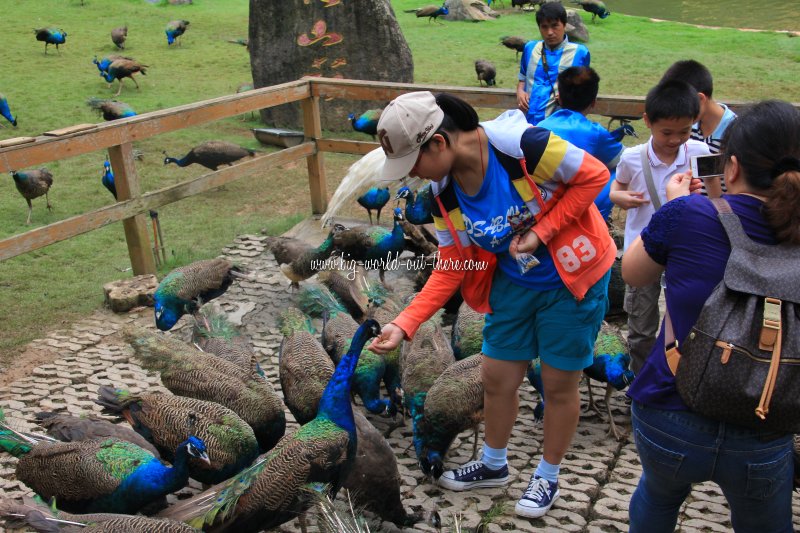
<point>507,196</point>
<point>686,241</point>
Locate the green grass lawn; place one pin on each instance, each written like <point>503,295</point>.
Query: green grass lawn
<point>53,286</point>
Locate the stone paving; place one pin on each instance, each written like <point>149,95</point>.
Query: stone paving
<point>598,477</point>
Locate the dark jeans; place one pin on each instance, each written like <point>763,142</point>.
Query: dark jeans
<point>679,448</point>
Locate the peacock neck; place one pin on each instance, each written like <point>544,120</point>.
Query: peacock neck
<point>335,402</point>
<point>180,162</point>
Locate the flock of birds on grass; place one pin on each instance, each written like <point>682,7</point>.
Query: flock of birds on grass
<point>223,423</point>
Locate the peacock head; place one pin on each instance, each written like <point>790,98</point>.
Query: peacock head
<point>166,315</point>
<point>107,167</point>
<point>402,192</point>
<point>434,464</point>
<point>197,449</point>
<point>352,118</point>
<point>398,214</point>
<point>106,76</point>
<point>170,37</point>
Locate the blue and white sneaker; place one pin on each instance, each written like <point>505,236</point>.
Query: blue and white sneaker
<point>474,475</point>
<point>538,498</point>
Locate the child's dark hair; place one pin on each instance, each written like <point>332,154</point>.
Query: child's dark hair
<point>672,99</point>
<point>577,88</point>
<point>551,11</point>
<point>766,142</point>
<point>458,116</point>
<point>692,72</point>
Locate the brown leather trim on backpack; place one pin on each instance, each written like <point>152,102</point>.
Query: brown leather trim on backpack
<point>774,328</point>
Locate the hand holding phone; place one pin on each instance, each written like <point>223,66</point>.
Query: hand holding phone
<point>706,166</point>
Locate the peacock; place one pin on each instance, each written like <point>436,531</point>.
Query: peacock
<point>174,29</point>
<point>68,428</point>
<point>98,475</point>
<point>103,64</point>
<point>308,263</point>
<point>338,329</point>
<point>5,111</point>
<point>374,245</point>
<point>121,69</point>
<point>454,403</point>
<point>286,249</point>
<point>534,374</point>
<point>432,12</point>
<point>211,154</point>
<point>118,36</point>
<point>366,122</point>
<point>353,290</point>
<point>186,288</point>
<point>486,71</point>
<point>33,184</point>
<point>185,371</point>
<point>214,334</point>
<point>39,517</point>
<point>275,489</point>
<point>50,36</point>
<point>111,109</point>
<point>374,198</point>
<point>611,366</point>
<point>596,7</point>
<point>466,337</point>
<point>165,419</point>
<point>422,361</point>
<point>419,206</point>
<point>108,178</point>
<point>304,367</point>
<point>514,42</point>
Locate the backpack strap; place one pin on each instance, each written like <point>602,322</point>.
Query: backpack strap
<point>648,178</point>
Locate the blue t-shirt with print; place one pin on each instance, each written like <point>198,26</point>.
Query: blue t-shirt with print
<point>489,216</point>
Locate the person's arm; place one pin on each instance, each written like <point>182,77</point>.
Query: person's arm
<point>638,268</point>
<point>625,199</point>
<point>523,93</point>
<point>522,97</point>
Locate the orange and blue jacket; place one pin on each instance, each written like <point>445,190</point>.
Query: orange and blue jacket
<point>558,182</point>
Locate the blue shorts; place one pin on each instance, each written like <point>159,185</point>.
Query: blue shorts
<point>552,325</point>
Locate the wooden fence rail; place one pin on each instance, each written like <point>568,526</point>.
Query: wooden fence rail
<point>117,136</point>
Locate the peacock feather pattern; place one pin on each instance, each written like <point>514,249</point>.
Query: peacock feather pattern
<point>5,111</point>
<point>419,207</point>
<point>69,428</point>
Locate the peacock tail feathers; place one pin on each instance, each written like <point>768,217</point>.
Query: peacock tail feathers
<point>316,300</point>
<point>293,320</point>
<point>120,458</point>
<point>609,343</point>
<point>214,324</point>
<point>11,441</point>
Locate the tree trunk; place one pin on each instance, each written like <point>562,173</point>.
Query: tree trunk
<point>355,39</point>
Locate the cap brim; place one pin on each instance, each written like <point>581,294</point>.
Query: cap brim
<point>398,167</point>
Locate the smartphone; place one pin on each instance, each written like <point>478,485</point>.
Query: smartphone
<point>706,166</point>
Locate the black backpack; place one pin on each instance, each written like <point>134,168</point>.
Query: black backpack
<point>741,361</point>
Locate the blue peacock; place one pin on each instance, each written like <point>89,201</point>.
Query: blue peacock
<point>108,178</point>
<point>50,36</point>
<point>418,207</point>
<point>5,111</point>
<point>186,288</point>
<point>111,109</point>
<point>596,7</point>
<point>120,69</point>
<point>611,366</point>
<point>98,475</point>
<point>366,122</point>
<point>276,489</point>
<point>174,29</point>
<point>374,198</point>
<point>105,62</point>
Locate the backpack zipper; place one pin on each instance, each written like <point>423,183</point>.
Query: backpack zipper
<point>728,348</point>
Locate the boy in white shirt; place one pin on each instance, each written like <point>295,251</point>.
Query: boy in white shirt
<point>671,108</point>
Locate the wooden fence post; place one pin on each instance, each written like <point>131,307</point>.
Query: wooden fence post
<point>312,128</point>
<point>127,182</point>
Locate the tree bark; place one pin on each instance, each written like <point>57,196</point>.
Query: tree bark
<point>355,39</point>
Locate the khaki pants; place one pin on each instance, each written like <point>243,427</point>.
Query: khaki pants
<point>641,304</point>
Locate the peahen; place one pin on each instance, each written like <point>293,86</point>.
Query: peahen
<point>5,111</point>
<point>118,36</point>
<point>214,334</point>
<point>98,475</point>
<point>596,7</point>
<point>186,288</point>
<point>486,71</point>
<point>308,263</point>
<point>165,419</point>
<point>68,428</point>
<point>185,371</point>
<point>338,329</point>
<point>275,489</point>
<point>454,403</point>
<point>432,12</point>
<point>286,249</point>
<point>466,337</point>
<point>120,69</point>
<point>304,367</point>
<point>375,246</point>
<point>353,290</point>
<point>211,154</point>
<point>611,366</point>
<point>374,198</point>
<point>174,29</point>
<point>33,184</point>
<point>514,42</point>
<point>111,109</point>
<point>50,36</point>
<point>366,122</point>
<point>419,206</point>
<point>39,517</point>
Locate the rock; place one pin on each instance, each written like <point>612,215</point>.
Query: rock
<point>576,29</point>
<point>474,10</point>
<point>125,294</point>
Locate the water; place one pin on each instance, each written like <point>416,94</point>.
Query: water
<point>763,14</point>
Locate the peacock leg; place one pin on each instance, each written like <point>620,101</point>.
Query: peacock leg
<point>120,87</point>
<point>474,443</point>
<point>378,217</point>
<point>49,207</point>
<point>592,405</point>
<point>369,212</point>
<point>30,211</point>
<point>612,429</point>
<point>301,520</point>
<point>134,81</point>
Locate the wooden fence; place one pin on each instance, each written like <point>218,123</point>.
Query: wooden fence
<point>133,204</point>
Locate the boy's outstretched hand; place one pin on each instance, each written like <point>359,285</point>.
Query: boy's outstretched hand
<point>683,184</point>
<point>527,243</point>
<point>628,199</point>
<point>390,338</point>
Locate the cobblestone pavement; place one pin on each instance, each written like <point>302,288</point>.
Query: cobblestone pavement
<point>599,473</point>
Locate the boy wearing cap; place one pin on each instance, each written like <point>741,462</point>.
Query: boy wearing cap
<point>501,189</point>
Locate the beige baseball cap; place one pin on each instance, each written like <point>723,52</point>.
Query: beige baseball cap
<point>407,123</point>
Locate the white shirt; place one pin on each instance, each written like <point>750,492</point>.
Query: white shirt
<point>629,171</point>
